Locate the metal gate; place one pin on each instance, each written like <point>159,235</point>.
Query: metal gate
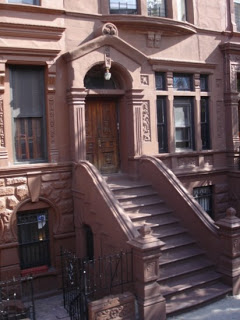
<point>17,299</point>
<point>87,280</point>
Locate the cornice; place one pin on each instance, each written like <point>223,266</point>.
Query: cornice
<point>167,27</point>
<point>31,31</point>
<point>29,8</point>
<point>49,53</point>
<point>176,63</point>
<point>230,47</point>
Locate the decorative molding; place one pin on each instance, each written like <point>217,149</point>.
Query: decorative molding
<point>2,132</point>
<point>49,53</point>
<point>31,31</point>
<point>220,117</point>
<point>144,79</point>
<point>29,8</point>
<point>109,29</point>
<point>154,39</point>
<point>138,131</point>
<point>146,123</point>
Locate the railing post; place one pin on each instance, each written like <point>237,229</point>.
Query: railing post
<point>146,253</point>
<point>229,265</point>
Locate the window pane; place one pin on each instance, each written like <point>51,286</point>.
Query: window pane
<point>204,195</point>
<point>156,8</point>
<point>123,7</point>
<point>160,81</point>
<point>237,14</point>
<point>182,82</point>
<point>31,2</point>
<point>205,129</point>
<point>181,10</point>
<point>162,124</point>
<point>28,111</point>
<point>203,82</point>
<point>183,123</point>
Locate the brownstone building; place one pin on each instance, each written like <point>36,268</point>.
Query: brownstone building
<point>115,115</point>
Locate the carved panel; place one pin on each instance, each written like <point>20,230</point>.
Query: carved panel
<point>2,134</point>
<point>150,271</point>
<point>220,121</point>
<point>188,162</point>
<point>144,79</point>
<point>109,29</point>
<point>146,121</point>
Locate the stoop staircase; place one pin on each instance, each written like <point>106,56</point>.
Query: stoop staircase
<point>187,276</point>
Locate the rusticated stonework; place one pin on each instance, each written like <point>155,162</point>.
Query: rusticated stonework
<point>146,124</point>
<point>56,187</point>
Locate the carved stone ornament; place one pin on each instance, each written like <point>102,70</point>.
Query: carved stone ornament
<point>144,79</point>
<point>109,29</point>
<point>146,121</point>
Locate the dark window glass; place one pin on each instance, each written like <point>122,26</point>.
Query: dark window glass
<point>162,124</point>
<point>156,8</point>
<point>28,111</point>
<point>183,119</point>
<point>204,196</point>
<point>123,7</point>
<point>33,236</point>
<point>238,82</point>
<point>94,79</point>
<point>205,130</point>
<point>204,82</point>
<point>31,2</point>
<point>160,81</point>
<point>182,82</point>
<point>237,13</point>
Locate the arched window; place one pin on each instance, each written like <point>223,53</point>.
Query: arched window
<point>95,79</point>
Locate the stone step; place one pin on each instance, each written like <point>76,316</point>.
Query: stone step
<point>180,253</point>
<point>140,200</point>
<point>131,190</point>
<point>162,211</point>
<point>135,196</point>
<point>196,297</point>
<point>176,241</point>
<point>184,267</point>
<point>174,286</point>
<point>166,220</point>
<point>165,231</point>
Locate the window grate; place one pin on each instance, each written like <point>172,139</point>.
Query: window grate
<point>203,195</point>
<point>33,234</point>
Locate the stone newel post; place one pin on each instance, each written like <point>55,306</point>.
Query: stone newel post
<point>229,266</point>
<point>146,253</point>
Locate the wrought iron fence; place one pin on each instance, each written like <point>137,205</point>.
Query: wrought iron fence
<point>87,280</point>
<point>17,299</point>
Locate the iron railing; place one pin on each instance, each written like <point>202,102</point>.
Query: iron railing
<point>87,280</point>
<point>17,299</point>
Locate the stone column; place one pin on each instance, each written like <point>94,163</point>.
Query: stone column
<point>146,253</point>
<point>3,150</point>
<point>135,119</point>
<point>51,83</point>
<point>229,265</point>
<point>197,114</point>
<point>76,102</point>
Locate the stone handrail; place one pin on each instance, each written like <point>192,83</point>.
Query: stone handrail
<point>89,184</point>
<point>184,205</point>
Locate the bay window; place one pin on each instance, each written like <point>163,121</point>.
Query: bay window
<point>157,8</point>
<point>123,7</point>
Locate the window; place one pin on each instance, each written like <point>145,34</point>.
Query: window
<point>181,10</point>
<point>33,235</point>
<point>160,81</point>
<point>183,119</point>
<point>204,196</point>
<point>237,13</point>
<point>204,82</point>
<point>124,7</point>
<point>205,136</point>
<point>156,8</point>
<point>182,82</point>
<point>162,124</point>
<point>31,2</point>
<point>28,113</point>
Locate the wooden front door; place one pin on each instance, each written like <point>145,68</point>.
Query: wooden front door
<point>101,135</point>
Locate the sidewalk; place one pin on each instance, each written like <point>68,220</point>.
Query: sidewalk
<point>225,309</point>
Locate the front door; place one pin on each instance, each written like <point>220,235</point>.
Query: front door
<point>101,135</point>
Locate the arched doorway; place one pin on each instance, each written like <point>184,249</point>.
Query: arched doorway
<point>102,122</point>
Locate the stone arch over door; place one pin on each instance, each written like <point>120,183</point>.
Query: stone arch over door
<point>126,65</point>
